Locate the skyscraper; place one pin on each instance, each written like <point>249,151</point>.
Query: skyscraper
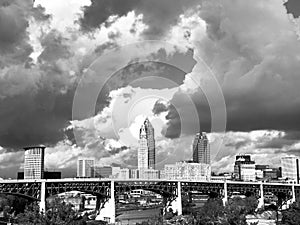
<point>85,167</point>
<point>34,162</point>
<point>143,149</point>
<point>290,168</point>
<point>201,149</point>
<point>146,150</point>
<point>151,144</point>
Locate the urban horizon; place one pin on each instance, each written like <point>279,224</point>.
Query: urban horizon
<point>88,168</point>
<point>149,111</point>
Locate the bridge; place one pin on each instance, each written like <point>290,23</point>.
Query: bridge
<point>108,190</point>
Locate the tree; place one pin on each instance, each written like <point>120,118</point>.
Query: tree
<point>187,206</point>
<point>58,213</point>
<point>234,213</point>
<point>11,205</point>
<point>210,213</point>
<point>291,216</point>
<point>31,215</point>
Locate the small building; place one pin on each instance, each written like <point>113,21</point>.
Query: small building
<point>102,172</point>
<point>244,168</point>
<point>187,171</point>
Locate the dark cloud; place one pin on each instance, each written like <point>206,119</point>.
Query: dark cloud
<point>54,47</point>
<point>173,126</point>
<point>159,107</point>
<point>257,67</point>
<point>245,112</point>
<point>114,150</point>
<point>99,11</point>
<point>29,119</point>
<point>279,142</point>
<point>183,112</point>
<point>14,21</point>
<point>158,15</point>
<point>143,75</point>
<point>107,45</point>
<point>293,7</point>
<point>35,99</point>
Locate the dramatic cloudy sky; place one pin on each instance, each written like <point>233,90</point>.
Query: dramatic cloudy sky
<point>80,76</point>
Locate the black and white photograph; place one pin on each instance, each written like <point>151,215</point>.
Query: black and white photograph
<point>150,112</point>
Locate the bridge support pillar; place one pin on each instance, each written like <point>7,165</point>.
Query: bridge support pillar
<point>225,198</point>
<point>43,197</point>
<point>176,204</point>
<point>261,202</point>
<point>289,202</point>
<point>98,204</point>
<point>108,209</point>
<point>293,194</point>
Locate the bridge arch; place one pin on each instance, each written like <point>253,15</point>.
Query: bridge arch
<point>97,188</point>
<point>165,189</point>
<point>24,189</point>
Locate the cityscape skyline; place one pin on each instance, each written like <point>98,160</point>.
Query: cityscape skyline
<point>39,82</point>
<point>198,169</point>
<point>170,111</point>
<point>200,140</point>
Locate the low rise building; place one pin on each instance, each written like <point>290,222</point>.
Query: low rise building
<point>244,168</point>
<point>85,167</point>
<point>102,172</point>
<point>187,171</point>
<point>149,174</point>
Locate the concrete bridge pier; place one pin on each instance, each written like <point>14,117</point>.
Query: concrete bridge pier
<point>261,201</point>
<point>293,199</point>
<point>43,197</point>
<point>225,194</point>
<point>176,203</point>
<point>293,194</point>
<point>108,211</point>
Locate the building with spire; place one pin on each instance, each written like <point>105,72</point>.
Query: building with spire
<point>143,149</point>
<point>201,149</point>
<point>146,149</point>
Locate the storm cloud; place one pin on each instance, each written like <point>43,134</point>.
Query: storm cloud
<point>293,7</point>
<point>158,15</point>
<point>257,67</point>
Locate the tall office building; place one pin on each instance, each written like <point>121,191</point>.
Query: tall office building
<point>34,162</point>
<point>290,168</point>
<point>85,167</point>
<point>146,149</point>
<point>201,149</point>
<point>151,144</point>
